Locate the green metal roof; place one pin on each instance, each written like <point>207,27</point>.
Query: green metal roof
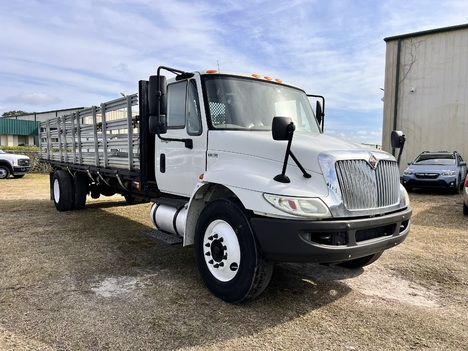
<point>18,127</point>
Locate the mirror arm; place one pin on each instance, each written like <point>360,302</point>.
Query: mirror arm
<point>304,172</point>
<point>401,150</point>
<point>188,142</point>
<point>283,178</point>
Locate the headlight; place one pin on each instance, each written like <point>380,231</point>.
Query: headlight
<point>407,172</point>
<point>449,173</point>
<point>404,197</point>
<point>307,207</point>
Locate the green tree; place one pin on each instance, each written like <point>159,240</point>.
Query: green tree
<point>14,113</point>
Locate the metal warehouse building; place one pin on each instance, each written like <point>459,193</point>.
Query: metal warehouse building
<point>23,130</point>
<point>426,91</point>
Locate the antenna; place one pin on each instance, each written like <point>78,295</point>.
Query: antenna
<point>217,61</point>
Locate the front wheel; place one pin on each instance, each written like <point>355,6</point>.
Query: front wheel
<point>228,257</point>
<point>4,172</point>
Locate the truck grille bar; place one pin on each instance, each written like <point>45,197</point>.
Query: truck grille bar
<point>363,187</point>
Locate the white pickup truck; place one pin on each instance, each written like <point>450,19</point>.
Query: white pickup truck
<point>236,165</point>
<point>15,165</point>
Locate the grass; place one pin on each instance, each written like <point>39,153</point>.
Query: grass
<point>52,263</point>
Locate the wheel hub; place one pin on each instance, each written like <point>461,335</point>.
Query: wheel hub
<point>217,250</point>
<point>222,251</point>
<point>56,191</point>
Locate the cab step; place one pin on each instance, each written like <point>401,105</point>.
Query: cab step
<point>160,236</point>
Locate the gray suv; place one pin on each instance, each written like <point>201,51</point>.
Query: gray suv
<point>442,169</point>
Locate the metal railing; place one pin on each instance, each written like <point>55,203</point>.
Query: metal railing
<point>102,136</point>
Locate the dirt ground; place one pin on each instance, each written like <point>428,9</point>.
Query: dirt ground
<point>89,280</point>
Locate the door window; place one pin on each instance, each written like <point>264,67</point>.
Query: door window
<point>180,115</point>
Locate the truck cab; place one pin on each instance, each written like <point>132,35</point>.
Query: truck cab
<point>303,196</point>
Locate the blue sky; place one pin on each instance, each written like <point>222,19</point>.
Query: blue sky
<point>58,54</point>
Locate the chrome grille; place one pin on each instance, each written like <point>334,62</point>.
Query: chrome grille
<point>363,187</point>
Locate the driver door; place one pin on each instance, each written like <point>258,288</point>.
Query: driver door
<point>178,167</point>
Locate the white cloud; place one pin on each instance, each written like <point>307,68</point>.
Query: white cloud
<point>34,98</point>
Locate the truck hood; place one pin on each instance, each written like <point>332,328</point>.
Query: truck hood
<point>250,160</point>
<point>12,157</point>
<point>261,146</point>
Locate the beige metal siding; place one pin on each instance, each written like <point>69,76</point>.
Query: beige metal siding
<point>433,93</point>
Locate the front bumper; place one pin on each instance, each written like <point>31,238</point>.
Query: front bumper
<point>21,170</point>
<point>329,241</point>
<point>445,182</point>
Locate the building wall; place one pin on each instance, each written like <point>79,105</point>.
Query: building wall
<point>43,116</point>
<point>21,130</point>
<point>432,103</point>
<point>15,140</point>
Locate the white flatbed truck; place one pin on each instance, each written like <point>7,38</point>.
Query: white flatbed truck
<point>236,165</point>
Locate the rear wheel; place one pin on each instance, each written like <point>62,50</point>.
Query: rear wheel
<point>4,172</point>
<point>361,262</point>
<point>228,257</point>
<point>62,190</point>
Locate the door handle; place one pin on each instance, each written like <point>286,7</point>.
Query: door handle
<point>162,163</point>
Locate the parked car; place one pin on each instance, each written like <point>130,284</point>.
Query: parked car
<point>465,197</point>
<point>15,165</point>
<point>442,169</point>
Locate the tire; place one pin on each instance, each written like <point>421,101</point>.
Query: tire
<point>361,262</point>
<point>4,172</point>
<point>18,176</point>
<point>131,200</point>
<point>80,190</point>
<point>460,186</point>
<point>62,190</point>
<point>105,190</point>
<point>227,255</point>
<point>465,209</point>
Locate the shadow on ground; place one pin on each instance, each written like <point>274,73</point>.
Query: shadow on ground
<point>90,280</point>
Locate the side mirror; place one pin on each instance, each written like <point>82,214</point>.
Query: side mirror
<point>158,125</point>
<point>282,128</point>
<point>319,109</point>
<point>319,113</point>
<point>157,104</point>
<point>397,139</point>
<point>398,142</point>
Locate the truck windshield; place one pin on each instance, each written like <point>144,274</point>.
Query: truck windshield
<point>250,104</point>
